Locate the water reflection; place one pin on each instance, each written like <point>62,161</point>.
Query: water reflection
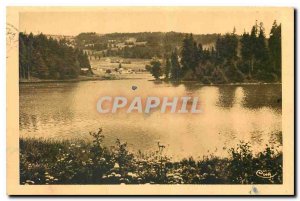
<point>268,95</point>
<point>230,114</point>
<point>226,96</point>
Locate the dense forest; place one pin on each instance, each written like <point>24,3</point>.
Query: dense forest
<point>46,58</point>
<point>250,57</point>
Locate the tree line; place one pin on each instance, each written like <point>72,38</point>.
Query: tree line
<point>157,43</point>
<point>233,58</point>
<point>47,58</point>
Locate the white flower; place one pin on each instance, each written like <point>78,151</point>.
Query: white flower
<point>132,174</point>
<point>116,166</point>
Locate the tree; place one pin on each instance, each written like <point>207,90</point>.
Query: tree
<point>156,70</point>
<point>175,67</point>
<point>23,57</point>
<point>275,47</point>
<point>261,50</point>
<point>168,68</point>
<point>246,51</point>
<point>39,66</point>
<point>226,47</point>
<point>253,38</point>
<point>189,54</point>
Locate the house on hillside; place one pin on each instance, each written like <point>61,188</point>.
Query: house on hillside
<point>131,41</point>
<point>85,71</point>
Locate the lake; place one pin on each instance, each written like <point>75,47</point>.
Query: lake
<point>231,113</point>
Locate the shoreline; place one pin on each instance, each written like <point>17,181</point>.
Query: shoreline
<point>79,79</point>
<point>215,84</point>
<point>102,78</point>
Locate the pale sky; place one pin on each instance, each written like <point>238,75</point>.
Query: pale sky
<point>72,21</point>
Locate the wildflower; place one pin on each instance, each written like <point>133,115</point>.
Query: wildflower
<point>29,181</point>
<point>132,174</point>
<point>116,166</point>
<point>177,177</point>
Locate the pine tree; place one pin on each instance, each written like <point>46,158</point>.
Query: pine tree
<point>175,67</point>
<point>275,47</point>
<point>23,58</point>
<point>246,51</point>
<point>226,47</point>
<point>253,41</point>
<point>261,51</point>
<point>188,54</point>
<point>168,68</point>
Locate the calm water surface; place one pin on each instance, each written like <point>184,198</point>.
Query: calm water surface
<point>230,114</point>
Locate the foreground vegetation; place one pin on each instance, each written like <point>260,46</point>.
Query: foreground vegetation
<point>66,162</point>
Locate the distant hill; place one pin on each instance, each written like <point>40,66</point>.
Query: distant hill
<point>138,45</point>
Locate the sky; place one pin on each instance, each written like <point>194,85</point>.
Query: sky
<point>72,21</point>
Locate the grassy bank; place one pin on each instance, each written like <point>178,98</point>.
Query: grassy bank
<point>66,162</point>
<point>78,79</point>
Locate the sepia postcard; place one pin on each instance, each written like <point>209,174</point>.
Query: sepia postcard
<point>150,100</point>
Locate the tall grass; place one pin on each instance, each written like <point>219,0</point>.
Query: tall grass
<point>66,162</point>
